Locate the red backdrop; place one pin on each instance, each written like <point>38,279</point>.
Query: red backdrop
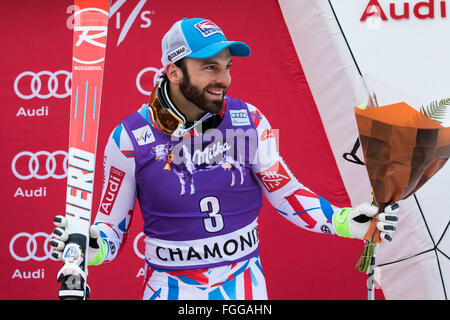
<point>34,90</point>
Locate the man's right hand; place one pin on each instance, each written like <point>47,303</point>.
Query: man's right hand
<point>97,246</point>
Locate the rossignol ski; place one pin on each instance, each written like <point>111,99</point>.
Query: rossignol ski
<point>89,48</point>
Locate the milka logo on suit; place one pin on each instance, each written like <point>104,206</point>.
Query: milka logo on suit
<point>181,161</point>
<point>210,153</point>
<point>234,153</point>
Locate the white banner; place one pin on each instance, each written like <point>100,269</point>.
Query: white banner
<point>397,50</point>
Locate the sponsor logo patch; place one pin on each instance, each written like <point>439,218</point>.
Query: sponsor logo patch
<point>144,135</point>
<point>208,28</point>
<point>177,52</point>
<point>274,178</point>
<point>239,118</point>
<point>112,189</point>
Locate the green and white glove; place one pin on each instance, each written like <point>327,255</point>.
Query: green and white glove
<point>98,248</point>
<point>354,222</point>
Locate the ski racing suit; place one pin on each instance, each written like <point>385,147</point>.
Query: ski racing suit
<point>200,197</point>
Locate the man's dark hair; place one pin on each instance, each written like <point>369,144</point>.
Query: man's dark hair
<point>180,64</point>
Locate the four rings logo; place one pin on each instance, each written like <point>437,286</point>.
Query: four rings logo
<point>136,246</point>
<point>24,246</point>
<point>40,165</point>
<point>43,85</point>
<point>239,117</point>
<point>156,76</point>
<point>236,115</point>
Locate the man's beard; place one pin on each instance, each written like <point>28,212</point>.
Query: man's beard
<point>198,97</point>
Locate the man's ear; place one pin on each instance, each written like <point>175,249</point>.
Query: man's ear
<point>174,74</point>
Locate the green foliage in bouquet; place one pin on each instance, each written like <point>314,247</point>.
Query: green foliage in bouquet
<point>436,110</point>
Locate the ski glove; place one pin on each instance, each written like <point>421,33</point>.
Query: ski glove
<point>354,222</point>
<point>98,247</point>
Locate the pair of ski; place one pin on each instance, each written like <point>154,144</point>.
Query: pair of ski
<point>89,49</point>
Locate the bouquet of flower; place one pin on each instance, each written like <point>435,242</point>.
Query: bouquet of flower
<point>403,149</point>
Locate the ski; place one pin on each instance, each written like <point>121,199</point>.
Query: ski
<point>89,49</point>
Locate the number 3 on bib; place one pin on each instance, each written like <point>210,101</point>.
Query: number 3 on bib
<point>211,206</point>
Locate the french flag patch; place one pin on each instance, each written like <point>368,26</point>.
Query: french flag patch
<point>208,28</point>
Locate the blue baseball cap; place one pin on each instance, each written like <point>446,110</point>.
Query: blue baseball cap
<point>199,39</point>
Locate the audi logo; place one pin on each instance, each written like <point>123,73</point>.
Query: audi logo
<point>27,165</point>
<point>32,84</point>
<point>135,245</point>
<point>29,246</point>
<point>236,115</point>
<point>25,246</point>
<point>157,72</point>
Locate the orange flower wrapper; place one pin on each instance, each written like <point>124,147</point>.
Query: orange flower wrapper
<point>402,149</point>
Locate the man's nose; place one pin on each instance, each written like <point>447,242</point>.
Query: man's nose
<point>223,78</point>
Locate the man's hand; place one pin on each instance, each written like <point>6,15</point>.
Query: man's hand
<point>354,222</point>
<point>97,246</point>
